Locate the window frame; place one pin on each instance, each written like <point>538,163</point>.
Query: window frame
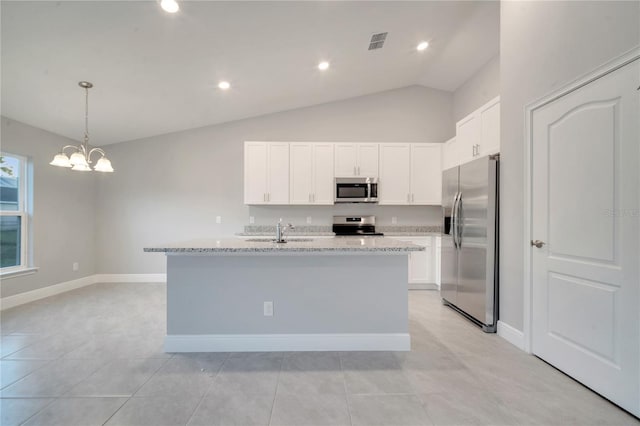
<point>23,213</point>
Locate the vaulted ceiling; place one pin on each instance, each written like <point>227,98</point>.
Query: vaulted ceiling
<point>157,73</point>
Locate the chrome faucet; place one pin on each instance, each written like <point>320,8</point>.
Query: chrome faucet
<point>280,229</point>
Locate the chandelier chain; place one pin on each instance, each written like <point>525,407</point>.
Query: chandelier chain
<point>86,115</point>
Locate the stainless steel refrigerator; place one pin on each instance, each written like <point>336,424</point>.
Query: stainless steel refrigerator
<point>469,257</point>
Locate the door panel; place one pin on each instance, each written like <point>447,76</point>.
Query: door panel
<point>585,204</point>
<point>426,174</point>
<point>467,136</point>
<point>368,159</point>
<point>395,173</point>
<point>448,251</point>
<point>301,173</point>
<point>323,183</point>
<point>278,170</point>
<point>255,172</point>
<point>598,302</point>
<point>473,290</point>
<point>569,134</point>
<point>490,122</point>
<point>346,159</point>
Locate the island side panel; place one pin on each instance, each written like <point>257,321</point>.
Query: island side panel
<point>337,294</point>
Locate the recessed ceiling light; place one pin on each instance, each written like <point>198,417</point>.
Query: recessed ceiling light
<point>423,45</point>
<point>224,85</point>
<point>170,6</point>
<point>324,65</point>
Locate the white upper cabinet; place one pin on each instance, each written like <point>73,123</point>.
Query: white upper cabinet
<point>266,173</point>
<point>356,159</point>
<point>477,135</point>
<point>410,174</point>
<point>394,186</point>
<point>450,154</point>
<point>368,159</point>
<point>311,173</point>
<point>426,173</point>
<point>302,173</point>
<point>468,137</point>
<point>490,128</point>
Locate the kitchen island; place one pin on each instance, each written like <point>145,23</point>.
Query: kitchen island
<point>342,293</point>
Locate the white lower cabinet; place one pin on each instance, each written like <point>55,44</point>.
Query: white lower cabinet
<point>423,265</point>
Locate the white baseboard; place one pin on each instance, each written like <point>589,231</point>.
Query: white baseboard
<point>131,278</point>
<point>511,335</point>
<point>286,342</point>
<point>424,286</point>
<point>41,293</point>
<point>52,290</point>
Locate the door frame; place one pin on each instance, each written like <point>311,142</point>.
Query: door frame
<point>601,71</point>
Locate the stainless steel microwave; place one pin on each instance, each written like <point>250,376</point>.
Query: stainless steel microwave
<point>356,190</point>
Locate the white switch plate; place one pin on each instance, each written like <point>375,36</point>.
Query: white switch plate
<point>394,220</point>
<point>309,219</point>
<point>218,219</point>
<point>268,309</point>
<point>76,266</point>
<point>252,219</point>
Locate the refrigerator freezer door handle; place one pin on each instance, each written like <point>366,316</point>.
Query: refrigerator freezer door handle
<point>454,220</point>
<point>458,222</point>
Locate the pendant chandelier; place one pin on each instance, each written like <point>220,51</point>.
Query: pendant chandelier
<point>80,158</point>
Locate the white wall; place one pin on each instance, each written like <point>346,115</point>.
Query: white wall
<point>63,210</point>
<point>478,90</point>
<point>171,187</point>
<point>543,46</point>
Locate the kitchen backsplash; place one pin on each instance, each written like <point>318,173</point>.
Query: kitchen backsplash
<point>326,230</point>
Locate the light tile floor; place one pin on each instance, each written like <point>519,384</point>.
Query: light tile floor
<point>94,356</point>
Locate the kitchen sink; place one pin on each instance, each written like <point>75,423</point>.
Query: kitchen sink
<point>272,240</point>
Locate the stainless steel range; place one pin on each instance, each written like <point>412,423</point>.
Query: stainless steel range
<point>355,225</point>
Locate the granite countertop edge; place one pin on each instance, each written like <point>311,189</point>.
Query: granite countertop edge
<point>282,249</point>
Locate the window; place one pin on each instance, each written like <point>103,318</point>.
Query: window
<point>14,217</point>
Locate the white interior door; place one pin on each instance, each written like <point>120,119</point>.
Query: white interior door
<point>585,208</point>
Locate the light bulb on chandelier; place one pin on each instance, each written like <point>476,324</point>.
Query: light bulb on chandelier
<point>80,158</point>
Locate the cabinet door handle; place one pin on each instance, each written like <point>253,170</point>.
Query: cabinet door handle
<point>355,173</point>
<point>268,196</point>
<point>358,170</point>
<point>408,198</point>
<point>313,198</point>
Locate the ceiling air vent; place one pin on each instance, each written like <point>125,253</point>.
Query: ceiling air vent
<point>377,41</point>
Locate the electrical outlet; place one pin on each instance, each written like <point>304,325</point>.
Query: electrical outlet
<point>76,266</point>
<point>218,219</point>
<point>309,219</point>
<point>268,309</point>
<point>394,220</point>
<point>252,219</point>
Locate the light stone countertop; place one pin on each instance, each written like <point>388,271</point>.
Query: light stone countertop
<point>354,245</point>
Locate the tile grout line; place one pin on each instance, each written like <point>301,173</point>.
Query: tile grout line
<point>346,392</point>
<point>203,396</point>
<point>275,394</point>
<point>53,400</point>
<point>49,361</point>
<point>131,396</point>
